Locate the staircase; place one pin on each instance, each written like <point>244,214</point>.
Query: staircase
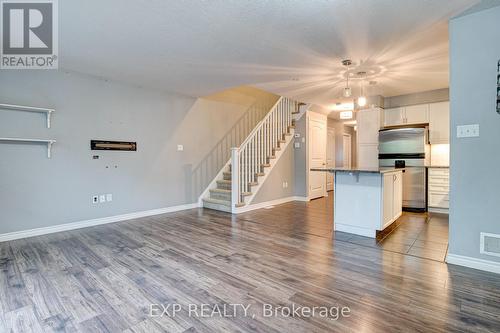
<point>240,179</point>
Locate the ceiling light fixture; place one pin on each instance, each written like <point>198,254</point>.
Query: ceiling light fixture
<point>347,92</point>
<point>362,97</point>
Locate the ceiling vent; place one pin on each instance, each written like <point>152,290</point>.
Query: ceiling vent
<point>490,244</point>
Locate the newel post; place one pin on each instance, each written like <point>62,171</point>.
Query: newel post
<point>235,183</point>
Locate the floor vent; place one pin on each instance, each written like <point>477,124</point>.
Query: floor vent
<point>490,244</point>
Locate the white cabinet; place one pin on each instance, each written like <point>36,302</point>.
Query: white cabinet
<point>439,190</point>
<point>393,117</point>
<point>416,114</point>
<point>439,123</point>
<point>392,198</point>
<point>408,115</point>
<point>368,156</point>
<point>368,124</point>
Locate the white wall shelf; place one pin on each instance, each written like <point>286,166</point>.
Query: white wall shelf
<point>49,143</point>
<point>12,107</point>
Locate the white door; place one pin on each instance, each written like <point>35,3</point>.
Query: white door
<point>317,156</point>
<point>347,151</point>
<point>330,157</point>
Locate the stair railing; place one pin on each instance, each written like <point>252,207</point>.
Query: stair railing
<point>247,160</point>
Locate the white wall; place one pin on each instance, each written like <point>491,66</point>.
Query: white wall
<point>39,192</point>
<point>474,183</point>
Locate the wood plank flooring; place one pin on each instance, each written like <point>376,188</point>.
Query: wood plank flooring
<point>104,279</point>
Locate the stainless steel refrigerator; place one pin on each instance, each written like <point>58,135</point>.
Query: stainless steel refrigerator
<point>407,147</point>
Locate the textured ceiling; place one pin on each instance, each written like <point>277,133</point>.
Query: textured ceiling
<point>292,48</point>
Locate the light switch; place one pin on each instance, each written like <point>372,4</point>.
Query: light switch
<point>180,148</point>
<point>297,144</point>
<point>303,140</point>
<point>468,131</point>
<point>102,198</point>
<point>109,197</point>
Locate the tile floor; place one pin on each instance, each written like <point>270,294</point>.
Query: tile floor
<point>419,235</point>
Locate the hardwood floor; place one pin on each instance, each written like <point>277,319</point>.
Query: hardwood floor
<point>104,279</point>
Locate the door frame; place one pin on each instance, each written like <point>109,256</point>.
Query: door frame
<point>321,117</point>
<point>350,149</point>
<point>329,130</point>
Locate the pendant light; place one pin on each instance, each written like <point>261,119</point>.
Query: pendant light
<point>362,97</point>
<point>347,91</point>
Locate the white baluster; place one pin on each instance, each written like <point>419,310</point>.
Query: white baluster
<point>235,158</point>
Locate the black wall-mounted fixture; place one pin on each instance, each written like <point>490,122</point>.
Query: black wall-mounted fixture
<point>113,145</point>
<point>498,87</point>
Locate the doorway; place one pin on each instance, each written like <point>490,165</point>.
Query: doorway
<point>330,157</point>
<point>347,150</point>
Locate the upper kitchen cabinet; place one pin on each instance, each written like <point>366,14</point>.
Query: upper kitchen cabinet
<point>417,114</point>
<point>408,115</point>
<point>393,117</point>
<point>369,123</point>
<point>439,124</point>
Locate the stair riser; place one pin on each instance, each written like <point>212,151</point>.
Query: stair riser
<point>217,207</point>
<point>224,186</point>
<point>221,196</point>
<point>227,177</point>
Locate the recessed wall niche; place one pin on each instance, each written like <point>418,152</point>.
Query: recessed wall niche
<point>498,87</point>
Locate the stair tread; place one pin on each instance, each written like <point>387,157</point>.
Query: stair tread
<point>220,190</point>
<point>246,194</point>
<point>266,165</point>
<point>224,181</point>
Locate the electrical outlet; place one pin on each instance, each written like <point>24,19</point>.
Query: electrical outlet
<point>102,198</point>
<point>109,197</point>
<point>180,148</point>
<point>297,135</point>
<point>468,131</point>
<point>95,199</point>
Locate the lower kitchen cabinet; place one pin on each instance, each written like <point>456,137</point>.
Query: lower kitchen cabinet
<point>439,190</point>
<point>392,198</point>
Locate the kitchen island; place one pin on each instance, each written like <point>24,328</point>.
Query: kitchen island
<point>366,200</point>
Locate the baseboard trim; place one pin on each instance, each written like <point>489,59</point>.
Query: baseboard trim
<point>265,204</point>
<point>90,223</point>
<point>355,230</point>
<point>481,264</point>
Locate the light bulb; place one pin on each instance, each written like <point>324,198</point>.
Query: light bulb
<point>347,92</point>
<point>362,101</point>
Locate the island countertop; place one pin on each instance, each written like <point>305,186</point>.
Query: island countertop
<point>380,170</point>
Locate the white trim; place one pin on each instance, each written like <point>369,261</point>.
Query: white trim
<point>481,264</point>
<point>351,229</point>
<point>89,223</point>
<point>265,204</point>
<point>304,199</point>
